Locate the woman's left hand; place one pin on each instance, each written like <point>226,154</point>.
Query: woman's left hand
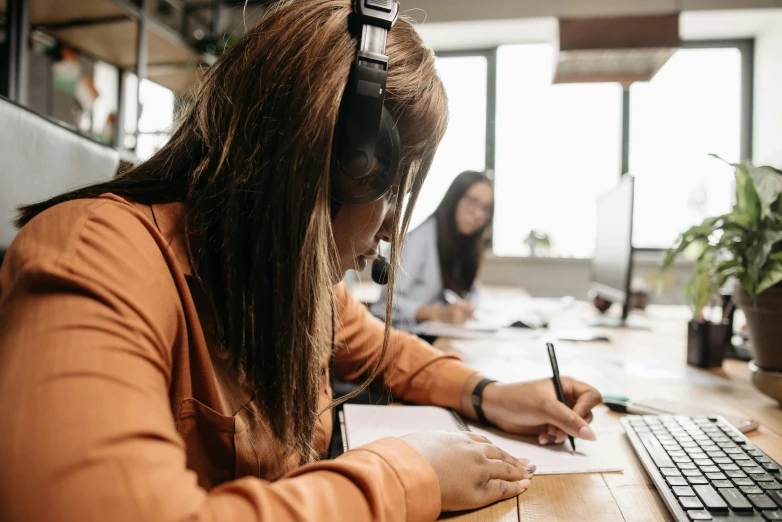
<point>532,408</point>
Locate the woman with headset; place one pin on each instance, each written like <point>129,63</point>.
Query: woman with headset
<point>442,256</point>
<point>166,336</point>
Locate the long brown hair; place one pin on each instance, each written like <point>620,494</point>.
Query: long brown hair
<point>250,160</point>
<point>460,256</point>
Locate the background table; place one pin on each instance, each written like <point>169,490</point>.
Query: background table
<point>644,363</point>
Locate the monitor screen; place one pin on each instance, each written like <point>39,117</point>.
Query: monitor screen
<point>611,263</point>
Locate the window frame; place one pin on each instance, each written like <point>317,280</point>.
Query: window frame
<point>745,46</point>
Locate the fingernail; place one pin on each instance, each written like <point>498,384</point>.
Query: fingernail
<point>586,433</point>
<point>543,441</point>
<point>525,483</point>
<point>532,468</point>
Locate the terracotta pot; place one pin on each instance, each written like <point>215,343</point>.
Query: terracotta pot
<point>764,320</point>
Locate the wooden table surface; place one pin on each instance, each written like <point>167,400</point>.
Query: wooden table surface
<point>645,364</point>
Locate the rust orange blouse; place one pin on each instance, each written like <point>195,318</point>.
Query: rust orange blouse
<point>115,404</point>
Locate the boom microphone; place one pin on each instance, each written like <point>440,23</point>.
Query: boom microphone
<point>380,268</point>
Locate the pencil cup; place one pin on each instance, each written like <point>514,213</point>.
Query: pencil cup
<point>706,344</point>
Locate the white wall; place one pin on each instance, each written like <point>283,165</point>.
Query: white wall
<point>461,10</point>
<point>768,95</point>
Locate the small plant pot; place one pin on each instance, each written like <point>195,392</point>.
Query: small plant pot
<point>764,321</point>
<point>706,344</point>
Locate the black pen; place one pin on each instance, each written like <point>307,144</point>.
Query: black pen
<point>552,356</point>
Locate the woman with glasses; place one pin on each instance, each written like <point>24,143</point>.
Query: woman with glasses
<point>442,257</point>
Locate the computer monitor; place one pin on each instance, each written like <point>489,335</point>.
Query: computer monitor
<point>612,263</point>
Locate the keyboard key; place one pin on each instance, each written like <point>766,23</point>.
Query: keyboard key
<point>723,484</point>
<point>686,465</point>
<point>723,460</point>
<point>770,485</point>
<point>677,454</point>
<point>735,474</point>
<point>691,472</point>
<point>772,515</point>
<point>776,495</point>
<point>710,469</point>
<point>761,477</point>
<point>684,491</point>
<point>751,490</point>
<point>735,499</point>
<point>698,455</point>
<point>656,451</point>
<point>677,481</point>
<point>690,503</point>
<point>729,467</point>
<point>734,451</point>
<point>744,481</point>
<point>670,472</point>
<point>754,470</point>
<point>755,453</point>
<point>716,476</point>
<point>702,462</point>
<point>768,466</point>
<point>697,481</point>
<point>762,501</point>
<point>690,444</point>
<point>710,498</point>
<point>699,515</point>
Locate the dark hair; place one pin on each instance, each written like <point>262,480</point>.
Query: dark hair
<point>460,256</point>
<point>250,161</point>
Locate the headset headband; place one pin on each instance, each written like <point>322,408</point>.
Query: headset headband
<point>367,143</point>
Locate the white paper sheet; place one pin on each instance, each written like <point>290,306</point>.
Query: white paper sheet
<point>559,459</point>
<point>364,424</point>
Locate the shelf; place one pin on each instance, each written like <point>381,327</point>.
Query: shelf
<point>179,79</point>
<point>55,12</point>
<point>114,43</point>
<point>106,30</point>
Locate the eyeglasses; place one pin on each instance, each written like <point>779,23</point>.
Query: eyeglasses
<point>475,205</point>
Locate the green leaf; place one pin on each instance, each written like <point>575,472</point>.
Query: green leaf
<point>773,275</point>
<point>768,185</point>
<point>746,210</point>
<point>777,256</point>
<point>758,254</point>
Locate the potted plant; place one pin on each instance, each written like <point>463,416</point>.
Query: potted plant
<point>745,244</point>
<point>535,240</point>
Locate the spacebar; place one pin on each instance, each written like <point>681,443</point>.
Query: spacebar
<point>656,451</point>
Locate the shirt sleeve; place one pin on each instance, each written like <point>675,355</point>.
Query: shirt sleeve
<point>417,281</point>
<point>412,369</point>
<point>88,315</point>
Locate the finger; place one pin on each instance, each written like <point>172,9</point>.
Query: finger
<point>567,420</point>
<point>545,439</point>
<point>503,470</point>
<point>495,453</point>
<point>586,397</point>
<point>559,436</point>
<point>477,438</point>
<point>497,489</point>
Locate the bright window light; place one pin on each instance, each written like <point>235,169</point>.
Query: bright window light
<point>691,108</point>
<point>558,147</point>
<point>464,145</point>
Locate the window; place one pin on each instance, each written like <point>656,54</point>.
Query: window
<point>557,148</point>
<point>691,108</point>
<point>464,145</point>
<point>157,118</point>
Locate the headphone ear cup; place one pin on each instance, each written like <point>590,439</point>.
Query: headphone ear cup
<point>376,183</point>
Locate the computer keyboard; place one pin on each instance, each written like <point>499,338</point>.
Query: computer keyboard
<point>705,469</point>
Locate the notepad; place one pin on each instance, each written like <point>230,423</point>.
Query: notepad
<point>364,424</point>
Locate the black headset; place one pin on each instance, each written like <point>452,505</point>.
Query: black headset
<point>367,146</point>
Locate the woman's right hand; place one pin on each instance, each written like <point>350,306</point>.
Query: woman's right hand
<point>472,472</point>
<point>446,313</point>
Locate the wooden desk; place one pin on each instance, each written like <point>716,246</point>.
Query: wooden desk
<point>644,364</point>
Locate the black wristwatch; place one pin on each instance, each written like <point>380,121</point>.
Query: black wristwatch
<point>477,399</point>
